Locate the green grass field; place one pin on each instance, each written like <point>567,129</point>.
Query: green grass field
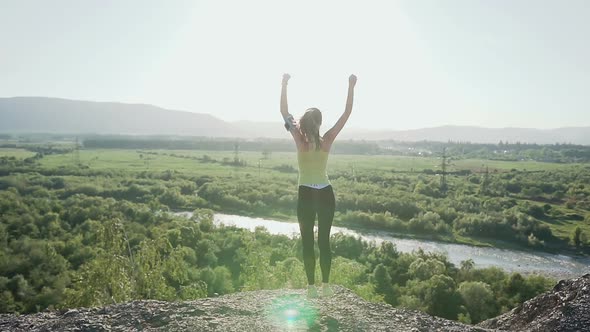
<point>190,162</point>
<point>17,153</point>
<point>132,160</point>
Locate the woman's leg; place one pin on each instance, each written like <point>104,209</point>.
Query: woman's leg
<point>306,217</point>
<point>326,207</point>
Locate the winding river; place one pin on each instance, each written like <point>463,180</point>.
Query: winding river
<point>558,266</point>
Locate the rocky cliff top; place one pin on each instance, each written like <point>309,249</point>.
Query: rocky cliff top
<point>269,310</point>
<point>565,308</point>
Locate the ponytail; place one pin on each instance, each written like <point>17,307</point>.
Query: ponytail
<point>309,126</point>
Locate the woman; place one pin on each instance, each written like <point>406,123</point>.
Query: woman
<point>315,195</point>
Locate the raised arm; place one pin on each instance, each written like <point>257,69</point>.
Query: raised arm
<point>331,134</point>
<point>289,121</point>
<point>284,104</point>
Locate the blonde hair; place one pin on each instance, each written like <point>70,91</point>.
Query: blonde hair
<point>309,126</point>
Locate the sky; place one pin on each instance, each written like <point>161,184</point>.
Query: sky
<point>420,63</point>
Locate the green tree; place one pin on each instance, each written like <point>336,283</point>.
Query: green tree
<point>437,296</point>
<point>577,236</point>
<point>108,278</point>
<point>218,280</point>
<point>383,285</point>
<point>441,297</point>
<point>425,269</point>
<point>478,299</point>
<point>150,280</point>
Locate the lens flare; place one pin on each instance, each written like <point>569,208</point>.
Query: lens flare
<point>291,312</point>
<point>291,315</point>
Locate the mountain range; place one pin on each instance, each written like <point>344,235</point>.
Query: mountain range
<point>64,116</point>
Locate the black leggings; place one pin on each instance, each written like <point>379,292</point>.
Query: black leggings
<point>309,203</point>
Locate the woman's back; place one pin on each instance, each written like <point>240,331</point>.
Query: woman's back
<point>312,168</point>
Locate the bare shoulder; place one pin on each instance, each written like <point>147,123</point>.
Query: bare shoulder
<point>327,140</point>
<point>299,140</point>
<point>326,145</point>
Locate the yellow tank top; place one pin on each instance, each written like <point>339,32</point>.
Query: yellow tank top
<point>312,168</point>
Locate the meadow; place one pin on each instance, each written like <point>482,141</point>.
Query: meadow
<point>189,162</point>
<point>280,168</point>
<point>16,153</point>
<point>89,227</point>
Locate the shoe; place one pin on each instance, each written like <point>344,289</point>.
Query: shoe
<point>327,290</point>
<point>312,292</point>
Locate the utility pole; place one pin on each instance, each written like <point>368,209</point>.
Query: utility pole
<point>76,152</point>
<point>486,181</point>
<point>236,153</point>
<point>443,167</point>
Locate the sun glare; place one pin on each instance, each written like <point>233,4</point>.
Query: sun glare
<point>238,55</point>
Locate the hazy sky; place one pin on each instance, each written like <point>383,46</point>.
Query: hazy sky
<point>419,63</point>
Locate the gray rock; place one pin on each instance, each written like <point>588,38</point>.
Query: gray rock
<point>267,310</point>
<point>564,308</point>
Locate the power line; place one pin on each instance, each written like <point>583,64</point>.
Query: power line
<point>76,152</point>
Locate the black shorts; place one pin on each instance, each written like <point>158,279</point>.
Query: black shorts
<point>312,202</point>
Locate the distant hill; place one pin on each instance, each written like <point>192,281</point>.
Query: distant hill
<point>54,115</point>
<point>574,135</point>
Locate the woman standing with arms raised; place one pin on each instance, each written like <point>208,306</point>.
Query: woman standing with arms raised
<point>315,194</point>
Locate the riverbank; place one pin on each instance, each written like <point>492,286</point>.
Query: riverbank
<point>551,248</point>
<point>511,260</point>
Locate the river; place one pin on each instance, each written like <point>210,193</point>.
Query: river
<point>526,262</point>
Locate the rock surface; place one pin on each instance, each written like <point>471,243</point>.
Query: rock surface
<point>270,310</point>
<point>565,308</point>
